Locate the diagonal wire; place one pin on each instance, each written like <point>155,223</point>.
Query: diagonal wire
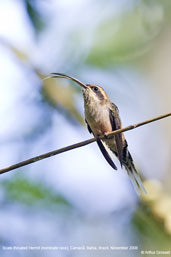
<point>77,145</point>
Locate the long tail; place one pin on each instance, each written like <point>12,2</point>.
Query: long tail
<point>133,173</point>
<point>126,161</point>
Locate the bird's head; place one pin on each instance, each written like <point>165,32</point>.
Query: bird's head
<point>91,93</point>
<point>94,94</point>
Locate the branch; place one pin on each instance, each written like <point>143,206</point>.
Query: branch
<point>86,142</point>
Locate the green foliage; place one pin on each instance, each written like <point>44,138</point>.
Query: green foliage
<point>20,189</point>
<point>34,15</point>
<point>150,230</point>
<point>127,36</point>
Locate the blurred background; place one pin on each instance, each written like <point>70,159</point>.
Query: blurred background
<point>75,198</point>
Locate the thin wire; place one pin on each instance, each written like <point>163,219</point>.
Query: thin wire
<point>77,145</point>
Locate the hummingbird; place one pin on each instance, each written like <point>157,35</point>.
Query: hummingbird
<point>102,116</point>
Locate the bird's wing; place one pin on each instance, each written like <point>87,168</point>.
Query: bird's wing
<point>103,150</point>
<point>89,129</point>
<point>116,124</point>
<point>105,154</point>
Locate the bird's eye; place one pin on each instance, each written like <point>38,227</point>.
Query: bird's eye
<point>95,89</point>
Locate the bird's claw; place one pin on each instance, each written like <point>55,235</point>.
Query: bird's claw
<point>106,135</point>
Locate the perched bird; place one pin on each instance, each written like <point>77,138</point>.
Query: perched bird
<point>102,117</point>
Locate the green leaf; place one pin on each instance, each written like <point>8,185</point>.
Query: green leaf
<point>127,36</point>
<point>34,15</point>
<point>22,190</point>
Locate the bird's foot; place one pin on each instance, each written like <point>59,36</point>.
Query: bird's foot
<point>106,135</point>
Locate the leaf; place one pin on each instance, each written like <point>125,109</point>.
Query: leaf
<point>22,190</point>
<point>127,36</point>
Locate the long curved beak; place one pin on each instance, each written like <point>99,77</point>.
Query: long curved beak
<point>60,75</point>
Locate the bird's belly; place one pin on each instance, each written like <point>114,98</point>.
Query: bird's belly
<point>100,128</point>
<point>99,121</point>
